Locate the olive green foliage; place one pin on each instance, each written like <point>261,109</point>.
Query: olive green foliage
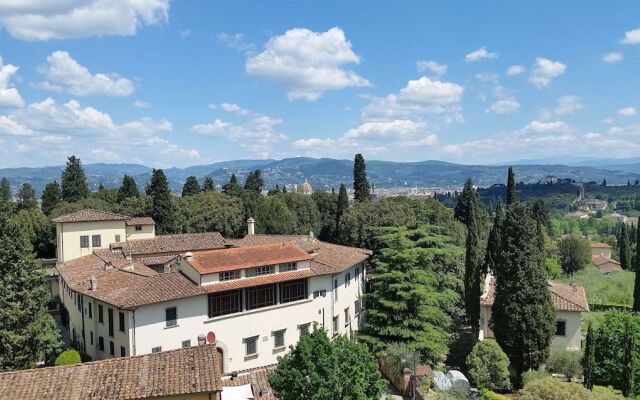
<point>588,361</point>
<point>488,366</point>
<point>74,181</point>
<point>51,196</point>
<point>232,188</point>
<point>128,189</point>
<point>360,183</point>
<point>272,216</point>
<point>306,212</point>
<point>68,357</point>
<point>399,356</point>
<point>320,369</point>
<point>254,182</point>
<point>327,204</point>
<point>629,366</point>
<point>191,187</point>
<point>5,190</point>
<point>552,269</point>
<point>533,375</point>
<point>616,288</point>
<point>565,362</point>
<point>486,394</point>
<point>574,253</point>
<point>415,285</point>
<point>208,185</point>
<point>26,198</point>
<point>210,211</point>
<point>555,389</point>
<point>37,229</point>
<point>134,206</point>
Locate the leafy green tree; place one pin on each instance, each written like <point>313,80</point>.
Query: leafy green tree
<point>511,187</point>
<point>488,366</point>
<point>210,211</point>
<point>50,197</point>
<point>232,188</point>
<point>28,334</point>
<point>163,210</point>
<point>636,287</point>
<point>494,242</point>
<point>589,358</point>
<point>38,229</point>
<point>5,191</point>
<point>540,213</point>
<point>135,206</point>
<point>624,247</point>
<point>360,182</point>
<point>306,211</point>
<point>574,253</point>
<point>320,369</point>
<point>74,181</point>
<point>272,216</point>
<point>190,187</point>
<point>472,264</point>
<point>467,200</point>
<point>27,197</point>
<point>555,389</point>
<point>128,189</point>
<point>342,206</point>
<point>415,279</point>
<point>208,185</point>
<point>523,315</point>
<point>254,182</point>
<point>327,206</point>
<point>564,362</point>
<point>68,357</point>
<point>629,366</point>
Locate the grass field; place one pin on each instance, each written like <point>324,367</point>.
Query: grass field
<point>615,288</point>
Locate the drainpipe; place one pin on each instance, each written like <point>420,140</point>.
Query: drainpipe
<point>84,338</point>
<point>133,340</point>
<point>333,300</point>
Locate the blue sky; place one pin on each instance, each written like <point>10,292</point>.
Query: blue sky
<point>183,83</point>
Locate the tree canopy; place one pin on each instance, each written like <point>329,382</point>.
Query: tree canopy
<point>191,187</point>
<point>51,196</point>
<point>574,253</point>
<point>128,189</point>
<point>74,181</point>
<point>360,183</point>
<point>208,185</point>
<point>162,209</point>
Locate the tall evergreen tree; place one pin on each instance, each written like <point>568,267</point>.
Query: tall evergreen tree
<point>233,187</point>
<point>523,314</point>
<point>462,209</point>
<point>208,185</point>
<point>254,182</point>
<point>128,189</point>
<point>540,213</point>
<point>50,197</point>
<point>191,187</point>
<point>472,274</point>
<point>27,197</point>
<point>636,288</point>
<point>589,358</point>
<point>541,238</point>
<point>74,181</point>
<point>630,361</point>
<point>360,183</point>
<point>28,334</point>
<point>343,205</point>
<point>624,247</point>
<point>5,191</point>
<point>511,187</point>
<point>162,208</point>
<point>495,241</point>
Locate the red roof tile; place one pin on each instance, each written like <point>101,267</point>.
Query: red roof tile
<point>89,215</point>
<point>258,379</point>
<point>174,244</point>
<point>140,221</point>
<point>258,280</point>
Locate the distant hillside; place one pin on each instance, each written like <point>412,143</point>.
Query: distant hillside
<point>325,173</point>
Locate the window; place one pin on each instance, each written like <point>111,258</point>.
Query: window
<point>251,345</point>
<point>171,316</point>
<point>319,293</point>
<point>259,271</point>
<point>357,272</point>
<point>90,306</point>
<point>347,279</point>
<point>288,267</point>
<point>336,324</point>
<point>561,328</point>
<point>347,317</point>
<point>96,240</point>
<point>293,290</point>
<point>100,343</point>
<point>90,337</point>
<point>304,328</point>
<point>100,314</point>
<point>335,290</point>
<point>186,343</point>
<point>224,303</point>
<point>278,338</point>
<point>112,348</point>
<point>357,307</point>
<point>261,296</point>
<point>121,321</point>
<point>79,304</point>
<point>117,239</point>
<point>156,349</point>
<point>84,242</point>
<point>138,228</point>
<point>110,315</point>
<point>228,275</point>
<point>123,351</point>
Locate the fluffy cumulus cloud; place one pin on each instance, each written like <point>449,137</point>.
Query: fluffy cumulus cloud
<point>480,54</point>
<point>230,107</point>
<point>568,105</point>
<point>544,71</point>
<point>627,112</point>
<point>307,63</point>
<point>612,58</point>
<point>631,37</point>
<point>431,67</point>
<point>515,70</point>
<point>313,143</point>
<point>9,96</point>
<point>64,74</point>
<point>504,106</point>
<point>64,19</point>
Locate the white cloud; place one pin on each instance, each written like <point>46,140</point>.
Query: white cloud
<point>66,19</point>
<point>515,70</point>
<point>544,71</point>
<point>431,66</point>
<point>631,37</point>
<point>546,127</point>
<point>184,33</point>
<point>9,96</point>
<point>504,106</point>
<point>608,121</point>
<point>230,107</point>
<point>612,58</point>
<point>64,74</point>
<point>480,54</point>
<point>568,105</point>
<point>141,104</point>
<point>627,111</point>
<point>237,42</point>
<point>307,63</point>
<point>385,129</point>
<point>313,143</point>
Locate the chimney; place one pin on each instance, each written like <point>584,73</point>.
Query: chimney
<point>188,256</point>
<point>167,268</point>
<point>93,283</point>
<point>107,265</point>
<point>251,226</point>
<point>311,234</point>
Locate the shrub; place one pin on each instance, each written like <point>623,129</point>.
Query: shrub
<point>565,362</point>
<point>554,389</point>
<point>487,394</point>
<point>552,268</point>
<point>68,357</point>
<point>574,253</point>
<point>488,365</point>
<point>534,375</point>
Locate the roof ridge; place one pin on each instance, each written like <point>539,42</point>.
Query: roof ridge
<point>572,301</point>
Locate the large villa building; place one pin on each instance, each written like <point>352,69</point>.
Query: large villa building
<point>129,292</point>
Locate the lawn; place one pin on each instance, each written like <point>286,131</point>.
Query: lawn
<point>615,288</point>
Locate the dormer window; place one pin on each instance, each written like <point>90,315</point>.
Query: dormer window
<point>259,271</point>
<point>288,267</point>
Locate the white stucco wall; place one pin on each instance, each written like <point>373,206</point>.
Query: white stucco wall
<point>147,232</point>
<point>347,296</point>
<point>68,237</point>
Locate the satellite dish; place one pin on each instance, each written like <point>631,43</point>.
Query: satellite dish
<point>211,337</point>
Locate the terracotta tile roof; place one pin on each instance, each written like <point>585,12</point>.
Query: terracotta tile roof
<point>423,370</point>
<point>172,244</point>
<point>600,259</point>
<point>140,221</point>
<point>213,261</point>
<point>88,215</point>
<point>186,371</point>
<point>599,245</point>
<point>258,280</point>
<point>155,260</point>
<point>258,379</point>
<point>565,297</point>
<point>329,258</point>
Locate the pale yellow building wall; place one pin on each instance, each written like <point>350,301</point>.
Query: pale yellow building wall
<point>68,237</point>
<point>147,232</point>
<point>600,251</point>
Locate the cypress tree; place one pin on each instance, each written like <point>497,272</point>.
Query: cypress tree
<point>541,240</point>
<point>74,181</point>
<point>27,197</point>
<point>5,191</point>
<point>629,366</point>
<point>128,189</point>
<point>190,187</point>
<point>523,314</point>
<point>360,182</point>
<point>162,209</point>
<point>343,204</point>
<point>50,197</point>
<point>636,287</point>
<point>624,247</point>
<point>208,185</point>
<point>589,357</point>
<point>511,187</point>
<point>472,275</point>
<point>540,213</point>
<point>462,209</point>
<point>232,188</point>
<point>495,241</point>
<point>254,182</point>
